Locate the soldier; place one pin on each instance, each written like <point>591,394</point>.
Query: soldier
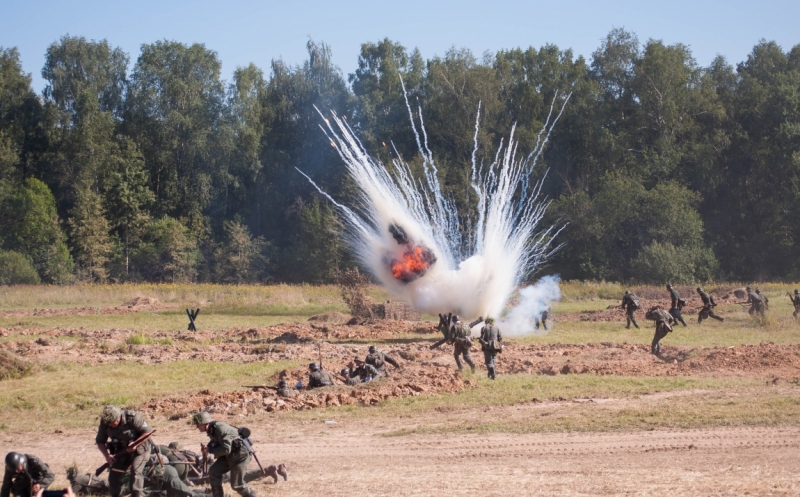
<point>756,305</point>
<point>318,377</point>
<point>165,477</point>
<point>764,299</point>
<point>26,475</point>
<point>230,455</point>
<point>630,303</point>
<point>708,306</point>
<point>86,483</point>
<point>676,305</point>
<point>284,390</point>
<point>543,316</point>
<point>178,459</point>
<point>379,360</point>
<point>491,344</point>
<point>461,345</point>
<point>123,427</point>
<point>795,303</point>
<point>365,372</point>
<point>664,322</point>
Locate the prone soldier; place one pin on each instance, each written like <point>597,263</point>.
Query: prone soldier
<point>86,483</point>
<point>25,476</point>
<point>284,390</point>
<point>491,344</point>
<point>124,428</point>
<point>676,304</point>
<point>364,371</point>
<point>664,322</point>
<point>708,307</point>
<point>630,303</point>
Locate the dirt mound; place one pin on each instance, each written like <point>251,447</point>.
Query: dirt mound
<point>12,366</point>
<point>330,317</point>
<point>140,301</point>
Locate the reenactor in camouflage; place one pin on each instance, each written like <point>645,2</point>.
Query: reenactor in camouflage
<point>318,377</point>
<point>676,304</point>
<point>123,426</point>
<point>795,302</point>
<point>230,455</point>
<point>664,321</point>
<point>764,299</point>
<point>491,344</point>
<point>25,476</point>
<point>708,307</point>
<point>284,390</point>
<point>378,360</point>
<point>630,303</point>
<point>756,305</point>
<point>462,344</point>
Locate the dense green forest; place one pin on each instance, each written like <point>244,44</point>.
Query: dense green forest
<point>660,169</point>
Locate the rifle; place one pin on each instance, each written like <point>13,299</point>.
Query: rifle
<point>248,444</point>
<point>204,452</point>
<point>127,450</point>
<point>257,387</point>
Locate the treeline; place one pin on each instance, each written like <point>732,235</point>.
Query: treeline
<point>660,168</point>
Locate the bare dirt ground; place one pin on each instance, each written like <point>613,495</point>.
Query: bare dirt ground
<point>353,458</point>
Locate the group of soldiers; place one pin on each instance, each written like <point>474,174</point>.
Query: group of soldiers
<point>664,320</point>
<point>138,466</point>
<point>459,334</point>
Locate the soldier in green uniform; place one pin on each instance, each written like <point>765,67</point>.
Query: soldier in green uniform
<point>284,390</point>
<point>664,322</point>
<point>676,304</point>
<point>229,452</point>
<point>364,372</point>
<point>318,377</point>
<point>25,476</point>
<point>630,303</point>
<point>165,477</point>
<point>123,427</point>
<point>795,303</point>
<point>461,345</point>
<point>756,305</point>
<point>708,307</point>
<point>86,483</point>
<point>491,344</point>
<point>764,299</point>
<point>378,360</point>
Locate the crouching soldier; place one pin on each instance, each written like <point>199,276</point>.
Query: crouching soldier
<point>230,455</point>
<point>26,476</point>
<point>664,322</point>
<point>318,377</point>
<point>378,360</point>
<point>124,428</point>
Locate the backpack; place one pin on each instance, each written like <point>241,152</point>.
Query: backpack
<point>635,304</point>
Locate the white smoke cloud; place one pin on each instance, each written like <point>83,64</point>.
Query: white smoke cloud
<point>534,299</point>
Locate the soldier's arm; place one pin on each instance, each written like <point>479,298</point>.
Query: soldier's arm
<point>40,472</point>
<point>140,425</point>
<point>5,490</point>
<point>223,447</point>
<point>391,361</point>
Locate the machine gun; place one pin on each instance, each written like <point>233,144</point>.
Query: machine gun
<point>248,444</point>
<point>127,450</point>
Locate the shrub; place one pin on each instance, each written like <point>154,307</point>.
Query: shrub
<point>663,263</point>
<point>16,269</point>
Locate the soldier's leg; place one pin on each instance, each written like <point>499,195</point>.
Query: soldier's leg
<point>238,470</point>
<point>173,484</point>
<point>713,315</point>
<point>137,472</point>
<point>457,355</point>
<point>117,478</point>
<point>215,474</point>
<point>468,359</point>
<point>488,359</point>
<point>544,319</point>
<point>661,332</point>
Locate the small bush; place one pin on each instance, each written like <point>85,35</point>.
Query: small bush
<point>16,269</point>
<point>12,366</point>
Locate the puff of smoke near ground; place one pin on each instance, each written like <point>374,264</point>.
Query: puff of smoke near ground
<point>410,235</point>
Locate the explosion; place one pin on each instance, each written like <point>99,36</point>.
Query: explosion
<point>423,258</point>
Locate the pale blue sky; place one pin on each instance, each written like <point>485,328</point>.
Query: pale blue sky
<point>244,31</point>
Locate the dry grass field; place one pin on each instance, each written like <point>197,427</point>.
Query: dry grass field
<point>582,409</point>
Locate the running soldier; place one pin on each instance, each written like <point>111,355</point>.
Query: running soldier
<point>764,299</point>
<point>676,305</point>
<point>795,303</point>
<point>630,303</point>
<point>26,476</point>
<point>123,427</point>
<point>664,322</point>
<point>708,307</point>
<point>462,343</point>
<point>491,344</point>
<point>756,305</point>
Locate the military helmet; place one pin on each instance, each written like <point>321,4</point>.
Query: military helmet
<point>489,320</point>
<point>14,460</point>
<point>699,289</point>
<point>627,292</point>
<point>373,349</point>
<point>110,414</point>
<point>313,366</point>
<point>669,285</point>
<point>455,318</point>
<point>758,291</point>
<point>201,418</point>
<point>175,446</point>
<point>796,291</point>
<point>283,384</point>
<point>345,372</point>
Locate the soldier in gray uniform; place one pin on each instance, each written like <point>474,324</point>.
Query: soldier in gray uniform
<point>795,303</point>
<point>123,427</point>
<point>676,304</point>
<point>461,345</point>
<point>664,322</point>
<point>364,372</point>
<point>230,455</point>
<point>25,476</point>
<point>86,483</point>
<point>764,299</point>
<point>630,303</point>
<point>378,360</point>
<point>708,307</point>
<point>756,305</point>
<point>491,344</point>
<point>284,390</point>
<point>318,377</point>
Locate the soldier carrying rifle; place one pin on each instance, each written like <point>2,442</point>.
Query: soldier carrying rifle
<point>795,303</point>
<point>708,306</point>
<point>128,450</point>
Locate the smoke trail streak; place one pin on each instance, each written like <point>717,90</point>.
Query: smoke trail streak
<point>404,215</point>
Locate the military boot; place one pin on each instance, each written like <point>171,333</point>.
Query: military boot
<point>283,471</point>
<point>217,492</point>
<point>273,472</point>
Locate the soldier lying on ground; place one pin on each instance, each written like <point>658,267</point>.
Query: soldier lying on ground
<point>284,390</point>
<point>663,326</point>
<point>86,483</point>
<point>25,476</point>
